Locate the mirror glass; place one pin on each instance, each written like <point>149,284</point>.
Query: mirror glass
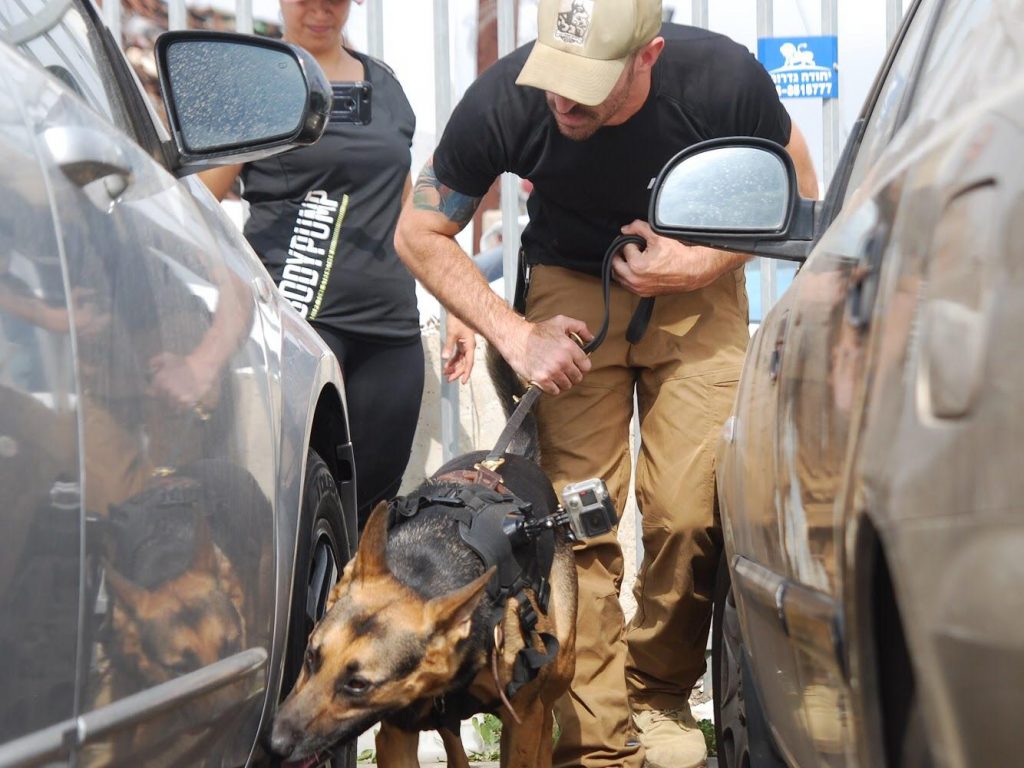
<point>727,188</point>
<point>225,93</point>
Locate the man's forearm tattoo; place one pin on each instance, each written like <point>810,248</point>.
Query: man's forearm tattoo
<point>429,194</point>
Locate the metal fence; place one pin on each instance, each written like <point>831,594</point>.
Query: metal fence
<point>699,16</point>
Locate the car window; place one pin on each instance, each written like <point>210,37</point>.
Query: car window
<point>974,48</point>
<point>58,36</point>
<point>883,118</point>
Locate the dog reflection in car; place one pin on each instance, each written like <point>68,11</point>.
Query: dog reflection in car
<point>190,621</point>
<point>418,635</point>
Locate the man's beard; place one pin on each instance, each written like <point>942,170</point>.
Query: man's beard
<point>590,119</point>
<point>583,130</point>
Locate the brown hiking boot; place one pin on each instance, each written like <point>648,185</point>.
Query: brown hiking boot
<point>671,738</point>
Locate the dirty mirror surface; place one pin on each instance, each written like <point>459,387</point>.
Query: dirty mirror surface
<point>227,93</point>
<point>727,188</point>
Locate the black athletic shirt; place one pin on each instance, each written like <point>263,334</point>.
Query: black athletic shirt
<point>704,86</point>
<point>322,219</point>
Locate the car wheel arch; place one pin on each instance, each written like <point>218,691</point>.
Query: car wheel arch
<point>878,653</point>
<point>329,437</point>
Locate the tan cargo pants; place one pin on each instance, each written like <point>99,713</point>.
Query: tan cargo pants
<point>683,373</point>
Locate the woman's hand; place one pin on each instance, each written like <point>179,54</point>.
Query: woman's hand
<point>183,382</point>
<point>459,350</point>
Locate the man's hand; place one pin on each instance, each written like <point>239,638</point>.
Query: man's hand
<point>668,266</point>
<point>544,354</point>
<point>459,350</point>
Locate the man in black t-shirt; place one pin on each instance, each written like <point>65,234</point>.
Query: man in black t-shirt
<point>590,113</point>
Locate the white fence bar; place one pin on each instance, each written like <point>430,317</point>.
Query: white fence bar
<point>375,28</point>
<point>176,14</point>
<point>699,13</point>
<point>830,107</point>
<point>769,267</point>
<point>893,17</point>
<point>509,181</point>
<point>112,15</point>
<point>243,16</point>
<point>443,108</point>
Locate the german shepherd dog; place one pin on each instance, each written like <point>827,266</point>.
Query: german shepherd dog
<point>406,640</point>
<point>179,573</point>
<point>187,622</point>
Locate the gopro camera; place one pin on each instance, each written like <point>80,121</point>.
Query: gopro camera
<point>589,508</point>
<point>351,102</point>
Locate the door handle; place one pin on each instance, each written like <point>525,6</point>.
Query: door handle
<point>775,357</point>
<point>86,155</point>
<point>860,299</point>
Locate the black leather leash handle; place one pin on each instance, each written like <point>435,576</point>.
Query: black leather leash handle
<point>642,314</point>
<point>635,332</point>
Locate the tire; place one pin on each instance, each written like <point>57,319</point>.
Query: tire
<point>741,732</point>
<point>323,549</point>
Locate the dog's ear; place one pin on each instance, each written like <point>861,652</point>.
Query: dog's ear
<point>452,613</point>
<point>127,594</point>
<point>371,560</point>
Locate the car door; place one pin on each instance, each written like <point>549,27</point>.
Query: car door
<point>939,451</point>
<point>176,419</point>
<point>41,517</point>
<point>837,331</point>
<point>820,335</point>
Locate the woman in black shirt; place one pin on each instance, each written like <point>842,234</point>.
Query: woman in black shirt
<point>322,219</point>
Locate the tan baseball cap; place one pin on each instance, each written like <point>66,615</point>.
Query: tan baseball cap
<point>582,45</point>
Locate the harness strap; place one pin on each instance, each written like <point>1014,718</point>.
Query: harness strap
<point>478,475</point>
<point>529,662</point>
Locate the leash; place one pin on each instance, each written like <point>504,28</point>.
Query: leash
<point>637,327</point>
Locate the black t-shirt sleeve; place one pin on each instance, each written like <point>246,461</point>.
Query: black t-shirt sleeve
<point>478,144</point>
<point>750,105</point>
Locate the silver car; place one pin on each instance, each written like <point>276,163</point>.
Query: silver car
<point>870,609</point>
<point>175,467</point>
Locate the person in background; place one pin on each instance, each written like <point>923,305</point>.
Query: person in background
<point>590,113</point>
<point>322,220</point>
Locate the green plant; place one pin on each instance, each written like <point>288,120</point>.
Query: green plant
<point>367,756</point>
<point>488,728</point>
<point>708,728</point>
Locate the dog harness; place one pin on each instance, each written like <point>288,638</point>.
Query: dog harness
<point>503,531</point>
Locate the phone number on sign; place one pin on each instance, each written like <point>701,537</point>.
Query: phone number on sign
<point>805,90</point>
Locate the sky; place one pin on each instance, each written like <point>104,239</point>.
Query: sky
<point>409,40</point>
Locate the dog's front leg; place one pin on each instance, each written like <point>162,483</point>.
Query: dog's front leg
<point>454,749</point>
<point>396,748</point>
<point>527,744</point>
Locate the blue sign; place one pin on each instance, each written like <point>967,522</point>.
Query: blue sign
<point>802,67</point>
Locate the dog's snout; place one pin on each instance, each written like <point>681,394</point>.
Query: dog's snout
<point>283,739</point>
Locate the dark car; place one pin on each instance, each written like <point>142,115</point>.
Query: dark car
<point>175,467</point>
<point>871,479</point>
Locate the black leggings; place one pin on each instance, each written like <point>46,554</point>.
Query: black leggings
<point>384,388</point>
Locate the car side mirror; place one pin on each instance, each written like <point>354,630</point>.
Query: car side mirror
<point>738,194</point>
<point>237,98</point>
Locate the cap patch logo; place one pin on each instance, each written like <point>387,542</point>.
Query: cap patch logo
<point>573,23</point>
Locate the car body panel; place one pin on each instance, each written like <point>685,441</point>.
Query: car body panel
<point>896,410</point>
<point>130,469</point>
<point>946,394</point>
<point>40,526</point>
